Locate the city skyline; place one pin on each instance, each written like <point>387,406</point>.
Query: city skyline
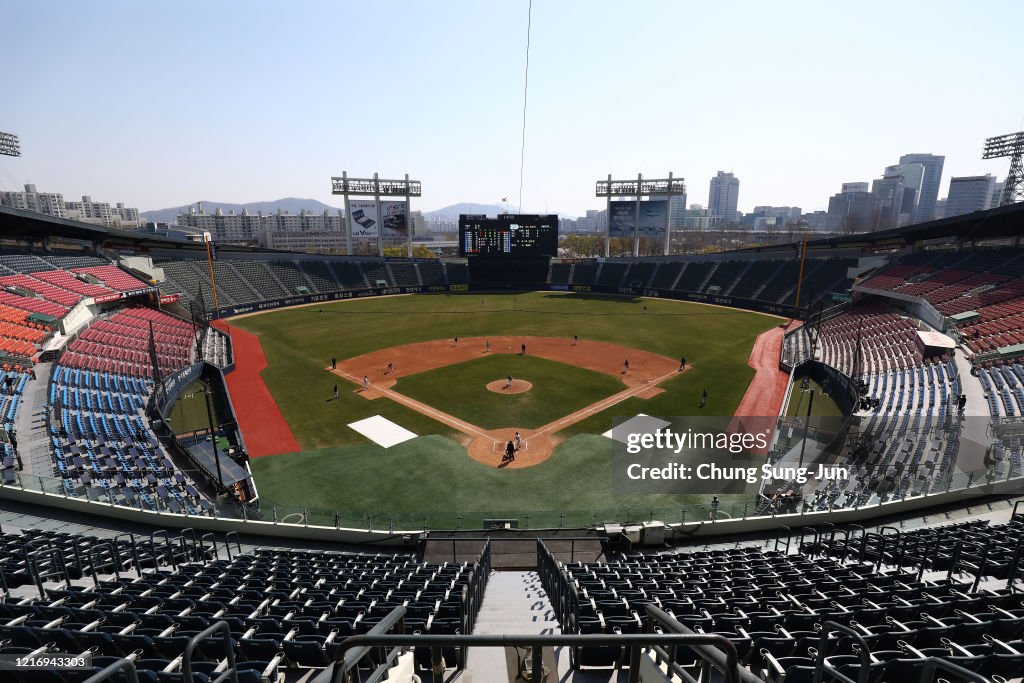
<point>181,110</point>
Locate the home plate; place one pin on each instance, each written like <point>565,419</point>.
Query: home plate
<point>382,431</point>
<point>635,425</point>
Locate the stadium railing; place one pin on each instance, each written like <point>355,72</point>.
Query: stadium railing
<point>681,521</point>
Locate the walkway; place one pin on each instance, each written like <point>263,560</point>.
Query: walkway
<point>514,604</point>
<point>33,440</point>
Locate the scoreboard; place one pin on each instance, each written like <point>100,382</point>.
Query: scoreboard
<point>508,235</point>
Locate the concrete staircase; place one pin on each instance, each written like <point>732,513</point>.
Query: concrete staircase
<point>514,603</point>
<point>33,440</point>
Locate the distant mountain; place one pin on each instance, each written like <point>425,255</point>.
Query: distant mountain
<point>464,207</point>
<point>295,205</point>
<point>454,210</point>
<point>288,204</point>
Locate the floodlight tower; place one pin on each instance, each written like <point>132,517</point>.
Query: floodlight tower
<point>10,146</point>
<point>1011,146</point>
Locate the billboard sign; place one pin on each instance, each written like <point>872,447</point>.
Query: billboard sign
<point>653,218</point>
<point>394,220</point>
<point>363,220</point>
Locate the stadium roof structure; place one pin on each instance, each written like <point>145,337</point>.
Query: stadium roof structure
<point>31,226</point>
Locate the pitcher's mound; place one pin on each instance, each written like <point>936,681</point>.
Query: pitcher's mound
<point>500,386</point>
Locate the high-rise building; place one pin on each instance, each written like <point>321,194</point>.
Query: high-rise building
<point>969,193</point>
<point>724,197</point>
<point>930,185</point>
<point>102,213</point>
<point>677,211</point>
<point>50,203</point>
<point>940,209</point>
<point>889,191</point>
<point>997,194</point>
<point>245,227</point>
<point>856,210</point>
<point>785,214</point>
<point>697,218</point>
<point>913,180</point>
<point>85,211</point>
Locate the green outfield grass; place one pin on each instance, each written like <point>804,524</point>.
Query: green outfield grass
<point>558,390</point>
<point>434,475</point>
<point>430,481</point>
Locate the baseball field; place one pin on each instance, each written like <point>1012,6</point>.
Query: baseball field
<point>453,398</point>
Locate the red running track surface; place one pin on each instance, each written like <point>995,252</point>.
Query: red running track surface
<point>767,389</point>
<point>264,428</point>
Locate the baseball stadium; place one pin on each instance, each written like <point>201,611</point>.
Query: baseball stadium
<point>232,463</point>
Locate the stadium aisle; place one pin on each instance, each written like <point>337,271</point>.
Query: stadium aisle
<point>514,603</point>
<point>33,442</point>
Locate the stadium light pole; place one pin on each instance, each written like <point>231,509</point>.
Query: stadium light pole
<point>1009,146</point>
<point>10,145</point>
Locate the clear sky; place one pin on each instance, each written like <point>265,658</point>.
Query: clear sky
<point>159,104</point>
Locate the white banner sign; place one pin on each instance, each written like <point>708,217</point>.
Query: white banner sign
<point>364,221</point>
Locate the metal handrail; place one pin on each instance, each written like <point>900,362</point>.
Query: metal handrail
<point>202,546</point>
<point>94,565</point>
<point>349,656</point>
<point>125,666</point>
<point>814,535</point>
<point>778,535</point>
<point>537,642</point>
<point>883,544</point>
<point>227,543</point>
<point>135,550</point>
<point>933,663</point>
<point>168,549</point>
<point>194,537</point>
<point>1016,505</point>
<point>1014,568</point>
<point>186,658</point>
<point>727,663</point>
<point>821,666</point>
<point>854,527</point>
<point>59,568</point>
